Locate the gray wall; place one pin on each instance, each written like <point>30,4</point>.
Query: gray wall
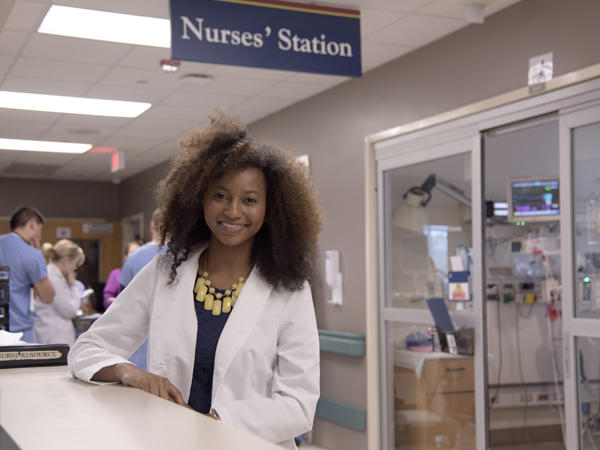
<point>473,64</point>
<point>72,199</point>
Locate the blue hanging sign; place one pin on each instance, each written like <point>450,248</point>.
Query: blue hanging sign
<point>269,34</point>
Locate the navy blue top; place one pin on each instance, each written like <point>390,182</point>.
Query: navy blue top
<point>209,330</point>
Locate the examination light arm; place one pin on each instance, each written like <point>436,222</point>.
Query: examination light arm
<point>435,181</point>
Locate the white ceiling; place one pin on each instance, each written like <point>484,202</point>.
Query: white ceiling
<point>46,64</point>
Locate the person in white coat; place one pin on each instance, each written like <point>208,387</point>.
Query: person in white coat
<point>54,321</point>
<point>227,311</point>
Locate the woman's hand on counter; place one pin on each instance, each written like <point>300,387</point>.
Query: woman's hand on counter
<point>133,376</point>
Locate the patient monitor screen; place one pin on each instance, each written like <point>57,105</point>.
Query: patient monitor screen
<point>535,199</point>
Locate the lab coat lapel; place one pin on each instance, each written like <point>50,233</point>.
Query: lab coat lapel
<point>240,324</point>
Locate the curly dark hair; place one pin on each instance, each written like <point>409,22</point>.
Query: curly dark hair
<point>285,249</point>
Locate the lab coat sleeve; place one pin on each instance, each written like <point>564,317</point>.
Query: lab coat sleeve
<point>118,333</point>
<point>67,299</point>
<point>290,410</point>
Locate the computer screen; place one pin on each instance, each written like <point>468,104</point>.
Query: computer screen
<point>534,199</point>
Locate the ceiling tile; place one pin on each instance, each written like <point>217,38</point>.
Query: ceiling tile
<point>373,20</point>
<point>453,9</point>
<point>416,30</point>
<point>317,78</point>
<point>152,79</point>
<point>28,116</point>
<point>445,8</point>
<point>385,5</point>
<point>160,153</point>
<point>93,122</point>
<point>5,63</point>
<point>21,129</point>
<point>81,172</point>
<point>249,72</point>
<point>144,57</point>
<point>203,100</point>
<point>130,143</point>
<point>11,42</point>
<point>144,123</point>
<point>374,55</point>
<point>143,135</point>
<point>64,133</point>
<point>238,86</point>
<point>58,70</point>
<point>130,94</point>
<point>94,162</point>
<point>194,67</point>
<point>46,158</point>
<point>294,91</point>
<point>25,16</point>
<point>45,86</point>
<point>131,154</point>
<point>172,112</point>
<point>61,48</point>
<point>8,156</point>
<point>262,104</point>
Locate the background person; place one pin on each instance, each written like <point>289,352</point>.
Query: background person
<point>142,256</point>
<point>113,287</point>
<point>54,323</point>
<point>234,208</point>
<point>21,251</point>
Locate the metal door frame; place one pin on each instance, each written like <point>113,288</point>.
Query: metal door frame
<point>466,142</point>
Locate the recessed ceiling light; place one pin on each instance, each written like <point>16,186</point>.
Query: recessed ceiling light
<point>43,146</point>
<point>106,26</point>
<point>71,105</point>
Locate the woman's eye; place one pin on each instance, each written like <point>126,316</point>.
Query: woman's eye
<point>220,196</point>
<point>251,200</point>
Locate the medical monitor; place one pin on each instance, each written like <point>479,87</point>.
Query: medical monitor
<point>534,199</point>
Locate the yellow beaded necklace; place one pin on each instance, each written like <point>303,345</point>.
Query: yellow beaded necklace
<point>205,293</point>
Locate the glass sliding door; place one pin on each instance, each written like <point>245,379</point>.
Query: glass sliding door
<point>580,222</point>
<point>429,214</point>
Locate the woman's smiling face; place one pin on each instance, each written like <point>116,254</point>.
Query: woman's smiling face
<point>234,208</point>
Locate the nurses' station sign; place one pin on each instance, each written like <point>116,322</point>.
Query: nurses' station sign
<point>269,34</point>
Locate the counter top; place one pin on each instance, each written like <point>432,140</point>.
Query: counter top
<point>43,407</point>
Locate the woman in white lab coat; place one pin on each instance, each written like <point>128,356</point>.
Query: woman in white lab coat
<point>54,321</point>
<point>227,311</point>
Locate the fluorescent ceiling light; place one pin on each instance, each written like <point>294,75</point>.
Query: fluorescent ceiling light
<point>43,146</point>
<point>106,26</point>
<point>71,105</point>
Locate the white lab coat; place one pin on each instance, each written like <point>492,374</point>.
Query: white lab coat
<point>266,376</point>
<point>54,322</point>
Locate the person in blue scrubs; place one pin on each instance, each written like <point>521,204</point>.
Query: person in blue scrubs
<point>136,262</point>
<point>21,251</point>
